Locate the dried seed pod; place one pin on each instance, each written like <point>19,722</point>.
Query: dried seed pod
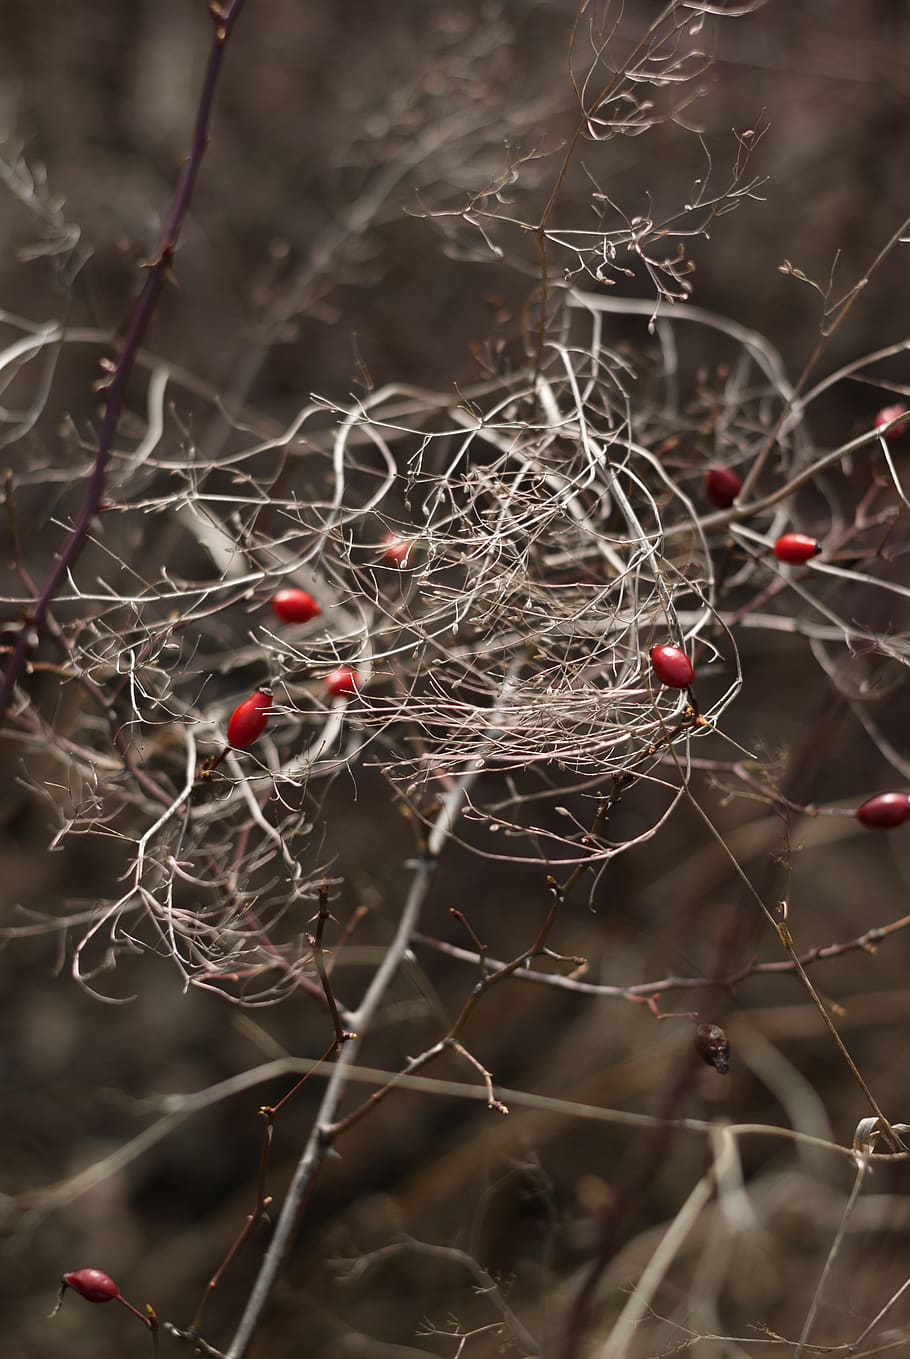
<point>672,666</point>
<point>796,548</point>
<point>722,486</point>
<point>249,720</point>
<point>884,811</point>
<point>342,683</point>
<point>294,606</point>
<point>713,1047</point>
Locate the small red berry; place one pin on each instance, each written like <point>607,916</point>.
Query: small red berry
<point>396,550</point>
<point>294,606</point>
<point>342,683</point>
<point>92,1284</point>
<point>672,666</point>
<point>722,486</point>
<point>886,415</point>
<point>248,721</point>
<point>884,811</point>
<point>796,548</point>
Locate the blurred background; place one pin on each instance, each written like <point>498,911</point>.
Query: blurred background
<point>309,265</point>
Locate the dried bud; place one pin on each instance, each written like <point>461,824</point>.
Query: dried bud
<point>713,1047</point>
<point>92,1284</point>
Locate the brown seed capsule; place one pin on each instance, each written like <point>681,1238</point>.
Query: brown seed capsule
<point>713,1047</point>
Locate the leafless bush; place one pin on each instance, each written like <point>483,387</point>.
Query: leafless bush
<point>493,563</point>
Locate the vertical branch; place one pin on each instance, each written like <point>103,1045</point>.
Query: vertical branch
<point>341,1034</point>
<point>319,1140</point>
<point>119,370</point>
<point>323,1133</point>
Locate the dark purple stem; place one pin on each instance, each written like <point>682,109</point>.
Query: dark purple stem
<point>225,16</point>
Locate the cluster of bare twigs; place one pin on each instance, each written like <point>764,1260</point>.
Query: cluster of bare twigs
<point>557,527</point>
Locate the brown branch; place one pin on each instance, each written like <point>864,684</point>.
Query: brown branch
<point>119,370</point>
<point>342,1035</point>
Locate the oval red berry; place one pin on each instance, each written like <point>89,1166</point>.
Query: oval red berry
<point>885,811</point>
<point>294,606</point>
<point>248,721</point>
<point>92,1284</point>
<point>796,548</point>
<point>722,486</point>
<point>395,550</point>
<point>672,666</point>
<point>886,415</point>
<point>342,683</point>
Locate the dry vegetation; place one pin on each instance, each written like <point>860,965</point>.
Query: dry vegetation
<point>405,1023</point>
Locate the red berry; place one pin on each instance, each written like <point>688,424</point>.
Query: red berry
<point>886,415</point>
<point>672,666</point>
<point>396,550</point>
<point>92,1284</point>
<point>248,721</point>
<point>342,683</point>
<point>884,811</point>
<point>796,548</point>
<point>722,486</point>
<point>294,606</point>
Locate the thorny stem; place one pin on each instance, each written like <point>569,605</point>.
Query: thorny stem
<point>341,1034</point>
<point>95,691</point>
<point>270,1111</point>
<point>644,1158</point>
<point>120,370</point>
<point>786,940</point>
<point>865,942</point>
<point>260,1208</point>
<point>833,709</point>
<point>843,311</point>
<point>450,1043</point>
<point>324,1128</point>
<point>320,1138</point>
<point>470,932</point>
